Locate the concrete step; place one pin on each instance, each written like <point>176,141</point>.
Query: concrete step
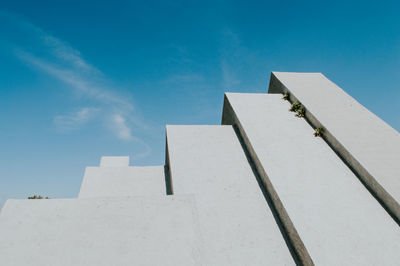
<point>123,181</point>
<point>237,225</point>
<point>317,196</point>
<point>114,161</point>
<point>110,231</point>
<point>365,142</point>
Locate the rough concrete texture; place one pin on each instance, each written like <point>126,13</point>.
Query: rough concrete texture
<point>338,220</point>
<point>369,145</point>
<point>114,161</point>
<point>125,231</point>
<point>123,181</point>
<point>238,227</point>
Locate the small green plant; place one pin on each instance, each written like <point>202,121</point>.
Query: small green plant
<point>37,197</point>
<point>286,96</point>
<point>295,106</point>
<point>319,131</point>
<point>301,112</point>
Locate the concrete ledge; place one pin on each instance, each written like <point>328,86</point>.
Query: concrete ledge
<point>369,146</point>
<point>123,181</point>
<point>320,201</point>
<point>109,231</point>
<point>114,161</point>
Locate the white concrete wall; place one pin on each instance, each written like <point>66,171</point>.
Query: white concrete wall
<point>338,220</point>
<point>366,142</point>
<point>238,227</point>
<point>123,181</point>
<point>124,231</point>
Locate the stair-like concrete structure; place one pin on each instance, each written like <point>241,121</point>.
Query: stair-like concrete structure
<point>364,141</point>
<point>209,162</point>
<point>318,195</point>
<point>258,190</point>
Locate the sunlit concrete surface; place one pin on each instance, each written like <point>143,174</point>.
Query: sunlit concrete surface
<point>258,190</point>
<point>366,142</point>
<point>114,161</point>
<point>113,231</point>
<point>123,181</point>
<point>237,225</point>
<point>336,217</point>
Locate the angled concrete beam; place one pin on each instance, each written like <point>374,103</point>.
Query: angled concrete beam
<point>318,198</point>
<point>366,143</point>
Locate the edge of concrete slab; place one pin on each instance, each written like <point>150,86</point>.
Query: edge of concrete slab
<point>297,246</point>
<point>224,188</point>
<point>380,194</point>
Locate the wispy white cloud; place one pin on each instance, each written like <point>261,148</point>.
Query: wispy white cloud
<point>121,130</point>
<point>229,55</point>
<point>86,83</point>
<point>240,65</point>
<point>72,70</point>
<point>60,60</point>
<point>185,78</point>
<point>65,52</point>
<point>230,78</point>
<point>75,120</point>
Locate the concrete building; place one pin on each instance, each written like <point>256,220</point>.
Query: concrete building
<point>260,189</point>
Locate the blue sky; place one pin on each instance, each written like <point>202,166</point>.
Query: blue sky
<point>82,79</point>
